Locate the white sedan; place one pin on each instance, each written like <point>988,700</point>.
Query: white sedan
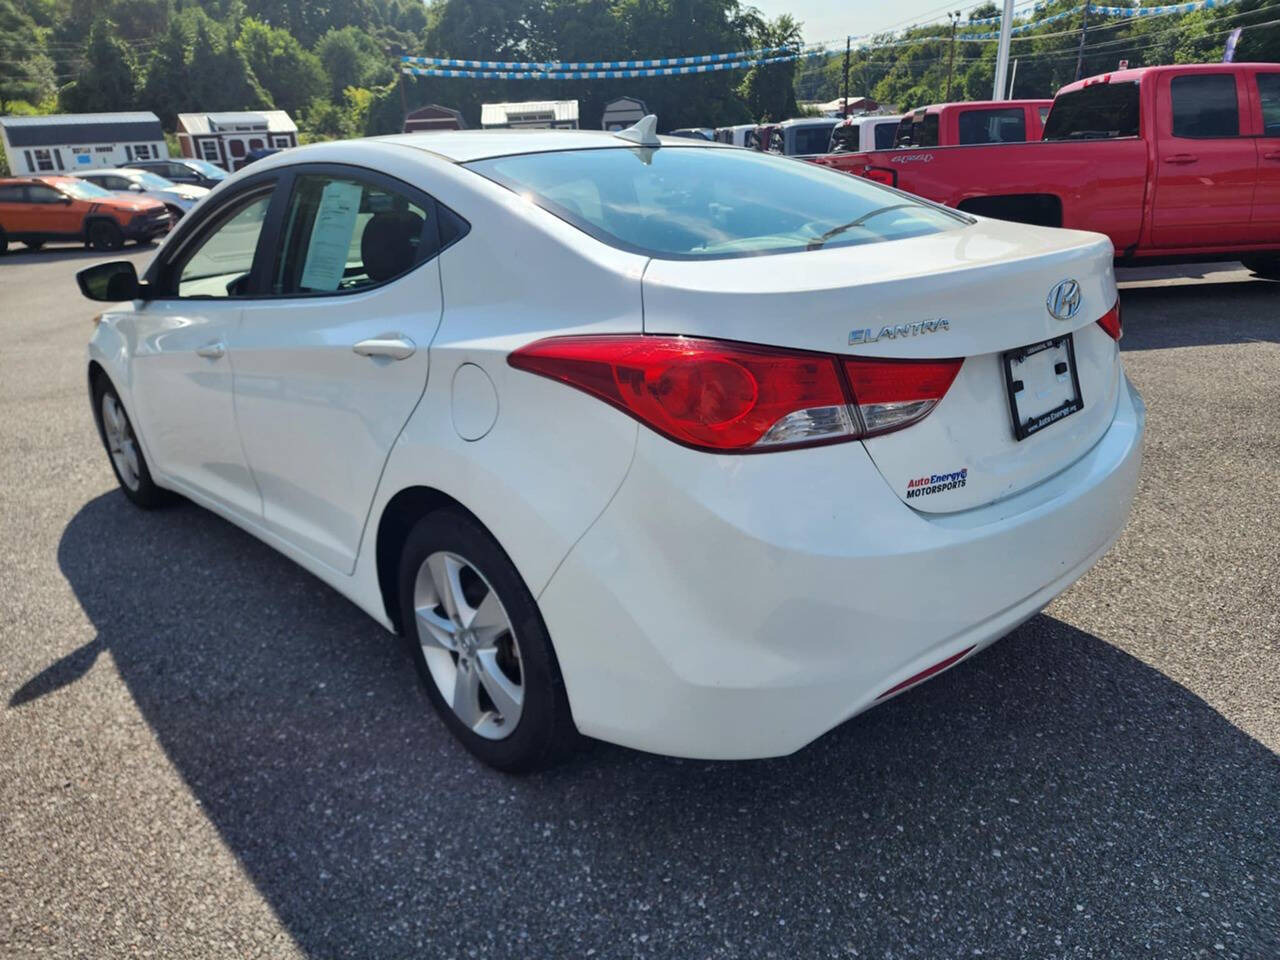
<point>678,445</point>
<point>178,198</point>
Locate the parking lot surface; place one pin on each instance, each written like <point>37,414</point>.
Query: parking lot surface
<point>204,752</point>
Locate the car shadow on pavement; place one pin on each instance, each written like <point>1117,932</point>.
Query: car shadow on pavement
<point>1053,796</point>
<point>1201,314</point>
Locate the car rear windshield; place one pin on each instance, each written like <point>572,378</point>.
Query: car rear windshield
<point>705,203</point>
<point>1100,111</point>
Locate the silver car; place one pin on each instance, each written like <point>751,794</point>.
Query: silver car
<point>177,197</point>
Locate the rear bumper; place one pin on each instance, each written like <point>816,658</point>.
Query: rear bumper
<point>739,607</point>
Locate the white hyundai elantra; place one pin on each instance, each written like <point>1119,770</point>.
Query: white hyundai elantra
<point>683,446</point>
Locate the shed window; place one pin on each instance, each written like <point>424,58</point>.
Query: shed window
<point>44,160</point>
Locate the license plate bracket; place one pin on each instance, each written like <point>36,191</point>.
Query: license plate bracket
<point>1043,384</point>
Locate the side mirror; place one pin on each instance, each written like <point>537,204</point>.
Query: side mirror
<point>135,187</point>
<point>64,199</point>
<point>111,282</point>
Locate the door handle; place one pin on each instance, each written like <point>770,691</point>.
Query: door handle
<point>213,350</point>
<point>1181,158</point>
<point>393,345</point>
<point>1273,155</point>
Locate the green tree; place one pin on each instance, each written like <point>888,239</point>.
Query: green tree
<point>106,80</point>
<point>26,73</point>
<point>164,89</point>
<point>769,89</point>
<point>291,76</point>
<point>352,58</point>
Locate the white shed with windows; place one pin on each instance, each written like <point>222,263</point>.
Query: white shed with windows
<point>534,114</point>
<point>227,139</point>
<point>67,142</point>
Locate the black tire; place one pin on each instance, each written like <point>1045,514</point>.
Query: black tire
<point>545,732</point>
<point>1263,266</point>
<point>144,493</point>
<point>105,236</point>
<point>33,245</point>
<point>4,242</point>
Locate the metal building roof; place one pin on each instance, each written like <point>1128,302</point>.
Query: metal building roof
<point>80,128</point>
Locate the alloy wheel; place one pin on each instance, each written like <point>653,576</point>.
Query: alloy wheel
<point>120,442</point>
<point>469,644</point>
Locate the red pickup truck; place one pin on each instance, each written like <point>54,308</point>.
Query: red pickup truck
<point>1173,163</point>
<point>972,122</point>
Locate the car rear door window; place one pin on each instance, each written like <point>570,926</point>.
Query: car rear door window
<point>12,193</point>
<point>343,234</point>
<point>1003,125</point>
<point>1205,106</point>
<point>38,193</point>
<point>1269,95</point>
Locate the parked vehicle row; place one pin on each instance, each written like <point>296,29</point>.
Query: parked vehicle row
<point>1171,163</point>
<point>37,210</point>
<point>567,449</point>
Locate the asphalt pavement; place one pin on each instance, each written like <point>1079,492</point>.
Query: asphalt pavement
<point>204,752</point>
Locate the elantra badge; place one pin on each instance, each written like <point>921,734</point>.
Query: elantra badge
<point>894,331</point>
<point>1064,299</point>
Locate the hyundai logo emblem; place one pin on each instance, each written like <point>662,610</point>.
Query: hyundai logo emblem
<point>1064,299</point>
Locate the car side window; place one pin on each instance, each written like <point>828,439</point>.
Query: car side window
<point>1269,95</point>
<point>1205,106</point>
<point>343,234</point>
<point>37,193</point>
<point>12,193</point>
<point>1005,125</point>
<point>219,263</point>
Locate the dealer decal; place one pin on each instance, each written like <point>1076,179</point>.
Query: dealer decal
<point>937,483</point>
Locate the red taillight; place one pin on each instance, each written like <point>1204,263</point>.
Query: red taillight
<point>880,175</point>
<point>737,397</point>
<point>892,394</point>
<point>1110,322</point>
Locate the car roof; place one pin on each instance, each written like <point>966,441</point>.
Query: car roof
<point>810,122</point>
<point>463,146</point>
<point>124,171</point>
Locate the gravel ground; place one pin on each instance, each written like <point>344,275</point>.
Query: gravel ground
<point>204,752</point>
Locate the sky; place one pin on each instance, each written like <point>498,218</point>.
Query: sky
<point>831,19</point>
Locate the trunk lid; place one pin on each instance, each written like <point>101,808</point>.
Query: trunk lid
<point>989,282</point>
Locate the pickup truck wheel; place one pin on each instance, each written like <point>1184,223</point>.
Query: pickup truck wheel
<point>104,235</point>
<point>1267,267</point>
<point>33,244</point>
<point>4,242</point>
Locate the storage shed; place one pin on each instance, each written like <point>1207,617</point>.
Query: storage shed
<point>227,138</point>
<point>67,142</point>
<point>433,117</point>
<point>622,113</point>
<point>534,114</point>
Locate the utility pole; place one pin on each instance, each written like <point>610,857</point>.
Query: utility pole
<point>848,42</point>
<point>1013,77</point>
<point>1002,56</point>
<point>951,60</point>
<point>1084,29</point>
